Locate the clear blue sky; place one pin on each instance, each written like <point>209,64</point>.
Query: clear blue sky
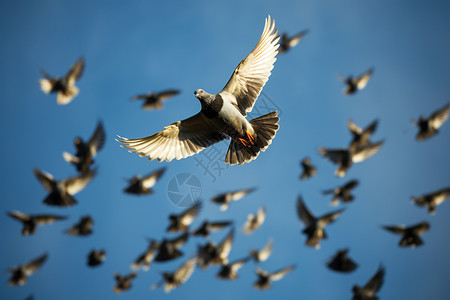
<point>142,46</point>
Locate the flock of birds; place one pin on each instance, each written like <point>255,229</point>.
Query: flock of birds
<point>222,117</point>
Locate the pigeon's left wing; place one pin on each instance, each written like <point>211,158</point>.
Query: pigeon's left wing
<point>77,183</point>
<point>364,79</point>
<point>439,117</point>
<point>76,71</point>
<point>34,265</point>
<point>150,180</point>
<point>281,273</point>
<point>303,213</point>
<point>97,140</point>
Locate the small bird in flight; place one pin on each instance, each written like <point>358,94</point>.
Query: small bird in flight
<point>264,278</point>
<point>225,199</point>
<point>368,292</point>
<point>410,235</point>
<point>342,192</point>
<point>340,262</point>
<point>123,283</point>
<point>429,127</point>
<point>263,254</point>
<point>182,221</point>
<point>30,222</point>
<point>180,276</point>
<point>143,185</point>
<point>254,221</point>
<point>308,169</point>
<point>353,84</point>
<point>154,100</point>
<point>96,258</point>
<point>20,273</point>
<point>82,228</point>
<point>286,42</point>
<point>432,199</point>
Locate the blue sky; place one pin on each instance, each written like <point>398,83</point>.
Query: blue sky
<point>142,46</point>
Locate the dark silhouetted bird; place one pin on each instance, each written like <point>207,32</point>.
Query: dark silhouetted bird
<point>429,127</point>
<point>154,100</point>
<point>345,157</point>
<point>168,249</point>
<point>361,137</point>
<point>254,221</point>
<point>315,226</point>
<point>215,254</point>
<point>182,221</point>
<point>225,198</point>
<point>222,115</point>
<point>143,185</point>
<point>410,235</point>
<point>20,273</point>
<point>86,151</point>
<point>180,276</point>
<point>264,278</point>
<point>229,271</point>
<point>30,222</point>
<point>96,258</point>
<point>82,228</point>
<point>123,283</point>
<point>206,227</point>
<point>340,262</point>
<point>342,192</point>
<point>368,292</point>
<point>353,84</point>
<point>263,254</point>
<point>65,86</point>
<point>308,169</point>
<point>60,192</point>
<point>286,42</point>
<point>144,260</point>
<point>432,199</point>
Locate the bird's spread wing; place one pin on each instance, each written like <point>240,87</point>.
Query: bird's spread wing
<point>364,79</point>
<point>77,183</point>
<point>46,219</point>
<point>441,195</point>
<point>185,271</point>
<point>399,229</point>
<point>334,155</point>
<point>189,215</point>
<point>76,71</point>
<point>354,129</point>
<point>97,140</point>
<point>180,240</point>
<point>303,213</point>
<point>213,226</point>
<point>241,193</point>
<point>151,179</point>
<point>439,117</point>
<point>296,39</point>
<point>281,273</point>
<point>224,247</point>
<point>167,94</point>
<point>34,265</point>
<point>178,140</point>
<point>252,73</point>
<point>350,185</point>
<point>19,215</point>
<point>421,227</point>
<point>376,281</point>
<point>330,217</point>
<point>364,152</point>
<point>265,252</point>
<point>46,179</point>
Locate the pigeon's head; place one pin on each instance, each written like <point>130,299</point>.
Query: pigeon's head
<point>200,94</point>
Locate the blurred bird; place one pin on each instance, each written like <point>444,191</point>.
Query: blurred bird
<point>212,254</point>
<point>429,127</point>
<point>263,254</point>
<point>123,283</point>
<point>340,262</point>
<point>154,100</point>
<point>361,137</point>
<point>410,235</point>
<point>286,43</point>
<point>143,185</point>
<point>86,151</point>
<point>229,271</point>
<point>182,221</point>
<point>206,227</point>
<point>96,257</point>
<point>308,169</point>
<point>30,222</point>
<point>20,273</point>
<point>368,292</point>
<point>83,227</point>
<point>264,278</point>
<point>345,157</point>
<point>180,276</point>
<point>144,260</point>
<point>254,221</point>
<point>432,199</point>
<point>353,84</point>
<point>64,86</point>
<point>225,198</point>
<point>222,115</point>
<point>29,297</point>
<point>315,226</point>
<point>342,192</point>
<point>168,249</point>
<point>61,191</point>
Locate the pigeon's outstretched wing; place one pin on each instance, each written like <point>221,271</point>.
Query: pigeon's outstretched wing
<point>303,213</point>
<point>97,140</point>
<point>76,71</point>
<point>362,80</point>
<point>439,117</point>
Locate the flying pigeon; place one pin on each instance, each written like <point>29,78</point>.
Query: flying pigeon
<point>342,192</point>
<point>143,185</point>
<point>86,151</point>
<point>206,227</point>
<point>361,137</point>
<point>154,100</point>
<point>225,198</point>
<point>254,221</point>
<point>432,199</point>
<point>123,283</point>
<point>264,278</point>
<point>180,276</point>
<point>60,192</point>
<point>215,254</point>
<point>263,254</point>
<point>308,169</point>
<point>353,84</point>
<point>345,157</point>
<point>65,86</point>
<point>368,292</point>
<point>168,249</point>
<point>30,222</point>
<point>286,42</point>
<point>144,260</point>
<point>410,235</point>
<point>429,127</point>
<point>20,273</point>
<point>340,262</point>
<point>222,115</point>
<point>315,225</point>
<point>82,228</point>
<point>229,271</point>
<point>182,221</point>
<point>96,258</point>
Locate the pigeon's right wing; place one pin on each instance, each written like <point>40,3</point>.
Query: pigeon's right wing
<point>364,79</point>
<point>439,117</point>
<point>77,183</point>
<point>330,217</point>
<point>441,195</point>
<point>178,140</point>
<point>34,265</point>
<point>364,152</point>
<point>47,219</point>
<point>167,94</point>
<point>421,227</point>
<point>334,155</point>
<point>281,273</point>
<point>265,252</point>
<point>376,281</point>
<point>189,215</point>
<point>97,140</point>
<point>224,247</point>
<point>76,71</point>
<point>350,185</point>
<point>241,193</point>
<point>214,226</point>
<point>19,216</point>
<point>303,213</point>
<point>354,129</point>
<point>180,240</point>
<point>293,41</point>
<point>395,229</point>
<point>46,179</point>
<point>185,271</point>
<point>151,179</point>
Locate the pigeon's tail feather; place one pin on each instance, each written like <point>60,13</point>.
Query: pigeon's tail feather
<point>265,128</point>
